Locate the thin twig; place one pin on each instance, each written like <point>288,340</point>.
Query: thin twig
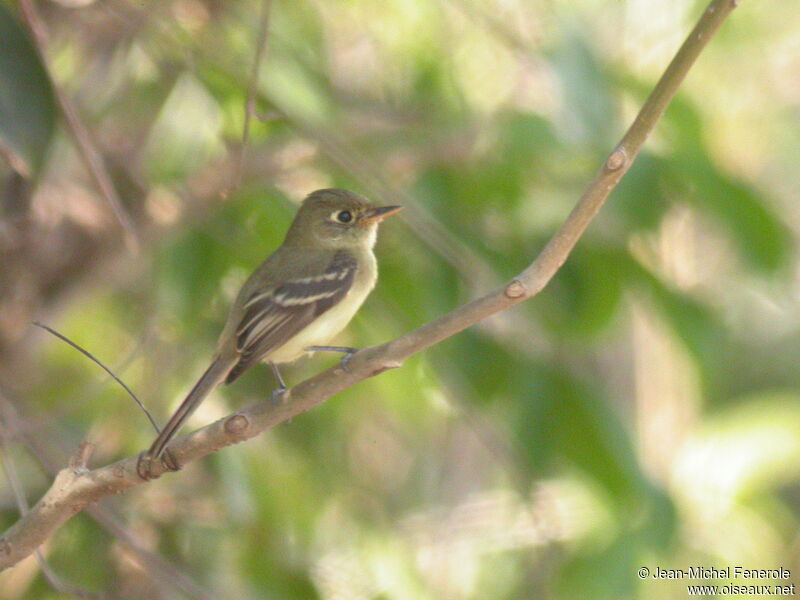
<point>72,492</point>
<point>22,506</point>
<point>252,89</point>
<point>157,567</point>
<point>91,357</point>
<point>88,150</point>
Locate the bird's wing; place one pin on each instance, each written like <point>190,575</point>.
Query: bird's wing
<point>273,317</point>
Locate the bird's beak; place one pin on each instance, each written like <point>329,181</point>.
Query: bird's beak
<point>378,214</point>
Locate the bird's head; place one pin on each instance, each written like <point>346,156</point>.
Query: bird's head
<point>336,218</point>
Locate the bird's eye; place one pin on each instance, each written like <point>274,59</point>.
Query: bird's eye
<point>344,216</point>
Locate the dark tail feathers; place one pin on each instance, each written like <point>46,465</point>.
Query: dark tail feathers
<point>213,375</point>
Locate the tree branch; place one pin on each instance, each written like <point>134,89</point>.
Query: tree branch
<point>252,90</point>
<point>74,489</point>
<point>22,505</point>
<point>86,147</point>
<point>164,574</point>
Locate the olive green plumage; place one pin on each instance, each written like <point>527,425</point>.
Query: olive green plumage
<point>304,294</point>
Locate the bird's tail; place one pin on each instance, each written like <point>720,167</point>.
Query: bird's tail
<point>213,375</point>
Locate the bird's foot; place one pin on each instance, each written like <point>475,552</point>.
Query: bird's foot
<point>348,354</point>
<point>345,362</point>
<point>144,466</point>
<point>169,461</point>
<point>278,395</point>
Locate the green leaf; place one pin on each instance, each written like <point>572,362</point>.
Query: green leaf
<point>694,323</point>
<point>644,194</point>
<point>600,575</point>
<point>562,417</point>
<point>27,105</point>
<point>586,293</point>
<point>763,239</point>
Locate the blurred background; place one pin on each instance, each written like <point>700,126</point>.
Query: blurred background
<point>643,410</point>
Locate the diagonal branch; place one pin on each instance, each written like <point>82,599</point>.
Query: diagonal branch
<point>163,573</point>
<point>75,489</point>
<point>252,90</point>
<point>22,505</point>
<point>87,148</point>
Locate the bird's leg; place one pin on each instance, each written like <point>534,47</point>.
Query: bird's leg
<point>279,393</point>
<point>348,353</point>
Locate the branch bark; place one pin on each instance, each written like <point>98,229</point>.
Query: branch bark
<point>76,487</point>
<point>166,576</point>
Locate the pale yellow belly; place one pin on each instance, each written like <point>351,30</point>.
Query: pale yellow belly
<point>327,325</point>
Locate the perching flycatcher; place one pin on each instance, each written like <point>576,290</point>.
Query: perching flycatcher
<point>304,294</point>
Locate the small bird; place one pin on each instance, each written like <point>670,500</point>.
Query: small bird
<point>304,294</point>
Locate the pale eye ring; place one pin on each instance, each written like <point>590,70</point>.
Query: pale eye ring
<point>343,216</point>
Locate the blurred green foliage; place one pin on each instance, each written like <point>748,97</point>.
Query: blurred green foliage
<point>27,106</point>
<point>640,411</point>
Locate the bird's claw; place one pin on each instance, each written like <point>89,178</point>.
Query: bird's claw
<point>348,354</point>
<point>169,461</point>
<point>345,362</point>
<point>278,395</point>
<point>144,466</point>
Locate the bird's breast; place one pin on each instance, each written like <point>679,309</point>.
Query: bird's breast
<point>326,326</point>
